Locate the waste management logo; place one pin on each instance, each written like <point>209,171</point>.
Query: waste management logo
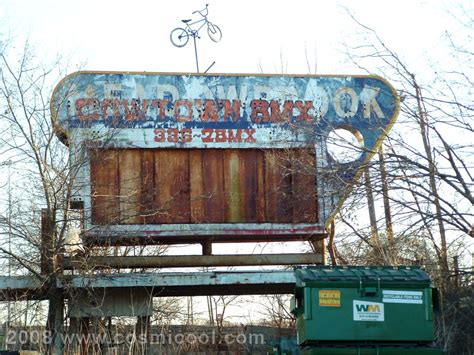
<point>368,311</point>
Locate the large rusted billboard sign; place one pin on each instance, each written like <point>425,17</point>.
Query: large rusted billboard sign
<point>166,133</point>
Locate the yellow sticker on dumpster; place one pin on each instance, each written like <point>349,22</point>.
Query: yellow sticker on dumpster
<point>330,298</point>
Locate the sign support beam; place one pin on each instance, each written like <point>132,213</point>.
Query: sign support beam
<point>162,284</point>
<point>176,261</point>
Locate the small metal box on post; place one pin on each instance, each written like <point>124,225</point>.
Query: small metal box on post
<point>364,310</point>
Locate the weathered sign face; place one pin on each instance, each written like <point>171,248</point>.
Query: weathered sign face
<point>146,110</point>
<point>165,110</point>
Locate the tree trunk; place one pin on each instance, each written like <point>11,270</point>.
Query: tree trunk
<point>422,121</point>
<point>370,203</point>
<point>331,248</point>
<point>386,200</point>
<point>55,319</point>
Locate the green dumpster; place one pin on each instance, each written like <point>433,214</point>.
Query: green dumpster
<point>372,350</point>
<point>351,305</point>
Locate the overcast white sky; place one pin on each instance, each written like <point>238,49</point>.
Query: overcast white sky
<point>258,36</point>
<point>270,36</point>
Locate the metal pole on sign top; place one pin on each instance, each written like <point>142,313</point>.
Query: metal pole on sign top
<point>180,35</point>
<point>196,54</point>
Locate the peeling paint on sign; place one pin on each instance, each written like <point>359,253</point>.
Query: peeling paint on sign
<point>200,111</point>
<point>246,111</point>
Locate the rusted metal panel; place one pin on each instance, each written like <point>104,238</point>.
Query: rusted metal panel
<point>148,186</point>
<point>278,188</point>
<point>172,197</point>
<point>303,183</point>
<point>210,186</point>
<point>234,189</point>
<point>105,187</point>
<point>213,191</point>
<point>129,185</point>
<point>196,181</point>
<point>260,193</point>
<point>248,182</point>
<point>240,180</point>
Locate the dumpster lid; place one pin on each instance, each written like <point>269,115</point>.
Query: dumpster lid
<point>324,274</point>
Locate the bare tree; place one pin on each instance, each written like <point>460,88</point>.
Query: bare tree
<point>275,310</point>
<point>38,218</point>
<point>423,179</point>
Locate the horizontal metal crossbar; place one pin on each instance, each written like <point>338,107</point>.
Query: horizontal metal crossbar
<point>159,284</point>
<point>144,234</point>
<point>128,262</point>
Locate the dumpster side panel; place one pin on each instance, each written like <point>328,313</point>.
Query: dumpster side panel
<point>364,304</point>
<point>360,318</point>
<point>375,350</point>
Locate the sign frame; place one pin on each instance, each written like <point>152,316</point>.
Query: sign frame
<point>329,201</point>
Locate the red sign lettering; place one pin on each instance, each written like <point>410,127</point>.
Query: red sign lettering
<point>259,111</point>
<point>262,111</point>
<point>189,113</point>
<point>89,105</point>
<point>173,135</point>
<point>277,115</point>
<point>250,137</point>
<point>210,111</point>
<point>161,105</point>
<point>232,111</point>
<point>207,135</point>
<point>234,138</point>
<point>304,108</point>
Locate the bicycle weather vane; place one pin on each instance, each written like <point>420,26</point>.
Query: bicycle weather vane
<point>180,36</point>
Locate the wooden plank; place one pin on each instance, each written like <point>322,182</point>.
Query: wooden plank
<point>303,186</point>
<point>148,188</point>
<point>172,181</point>
<point>278,190</point>
<point>260,195</point>
<point>234,190</point>
<point>213,187</point>
<point>129,185</point>
<point>271,183</point>
<point>105,187</point>
<point>248,181</point>
<point>196,182</point>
